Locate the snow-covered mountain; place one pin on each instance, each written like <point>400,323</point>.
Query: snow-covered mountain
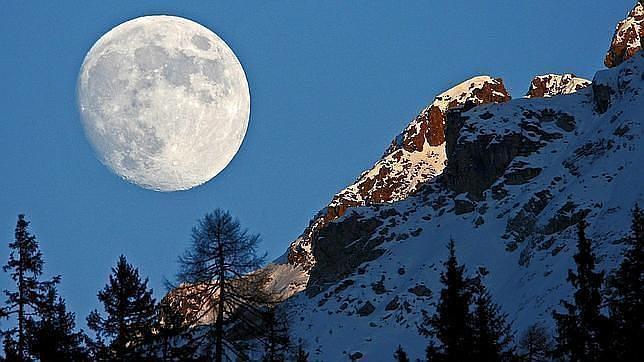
<point>507,179</point>
<point>416,155</point>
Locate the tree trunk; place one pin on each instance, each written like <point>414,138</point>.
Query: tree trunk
<point>219,327</point>
<point>21,307</point>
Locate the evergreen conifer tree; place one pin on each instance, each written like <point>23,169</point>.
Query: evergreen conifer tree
<point>173,337</point>
<point>581,328</point>
<point>218,276</point>
<point>626,295</point>
<point>52,336</point>
<point>492,335</point>
<point>26,267</point>
<point>129,314</point>
<point>276,338</point>
<point>449,325</point>
<point>535,344</point>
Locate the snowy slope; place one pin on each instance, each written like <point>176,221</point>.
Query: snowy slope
<point>520,229</point>
<point>416,155</point>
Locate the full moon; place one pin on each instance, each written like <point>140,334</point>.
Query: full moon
<point>164,102</point>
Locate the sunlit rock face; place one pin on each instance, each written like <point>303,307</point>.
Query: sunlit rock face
<point>415,156</point>
<point>550,85</point>
<point>628,38</point>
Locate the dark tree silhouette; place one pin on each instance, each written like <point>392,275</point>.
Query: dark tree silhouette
<point>26,267</point>
<point>449,325</point>
<point>400,355</point>
<point>535,344</point>
<point>174,339</point>
<point>626,295</point>
<point>129,314</point>
<point>52,337</point>
<point>301,355</point>
<point>580,328</point>
<point>218,277</point>
<point>276,338</point>
<point>492,335</point>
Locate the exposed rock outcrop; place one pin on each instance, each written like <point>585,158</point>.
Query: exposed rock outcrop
<point>609,85</point>
<point>550,85</point>
<point>628,37</point>
<point>415,156</point>
<point>340,248</point>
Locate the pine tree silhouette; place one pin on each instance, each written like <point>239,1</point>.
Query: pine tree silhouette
<point>492,335</point>
<point>626,295</point>
<point>218,277</point>
<point>580,330</point>
<point>450,322</point>
<point>52,337</point>
<point>174,338</point>
<point>276,337</point>
<point>129,314</point>
<point>26,267</point>
<point>535,344</point>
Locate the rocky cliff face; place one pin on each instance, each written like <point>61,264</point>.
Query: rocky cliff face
<point>519,177</point>
<point>628,38</point>
<point>550,85</point>
<point>415,156</point>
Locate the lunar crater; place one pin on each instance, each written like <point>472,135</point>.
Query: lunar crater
<point>164,102</point>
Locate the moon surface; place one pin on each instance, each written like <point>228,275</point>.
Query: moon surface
<point>164,102</point>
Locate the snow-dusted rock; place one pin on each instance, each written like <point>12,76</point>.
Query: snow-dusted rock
<point>628,38</point>
<point>550,85</point>
<point>415,156</point>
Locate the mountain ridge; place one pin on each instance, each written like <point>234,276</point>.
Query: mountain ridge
<point>519,175</point>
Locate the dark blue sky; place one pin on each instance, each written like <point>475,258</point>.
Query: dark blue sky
<point>331,84</point>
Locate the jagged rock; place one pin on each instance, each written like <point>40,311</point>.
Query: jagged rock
<point>550,85</point>
<point>521,175</point>
<point>628,37</point>
<point>340,248</point>
<point>621,130</point>
<point>416,232</point>
<point>344,285</point>
<point>420,290</point>
<point>429,124</point>
<point>393,304</point>
<point>379,286</point>
<point>523,223</point>
<point>564,218</point>
<point>366,309</point>
<point>462,206</point>
<point>479,221</point>
<point>415,156</point>
<point>566,122</point>
<point>475,165</point>
<point>602,96</point>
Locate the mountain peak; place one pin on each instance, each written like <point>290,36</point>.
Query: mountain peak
<point>429,125</point>
<point>628,37</point>
<point>414,157</point>
<point>550,85</point>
